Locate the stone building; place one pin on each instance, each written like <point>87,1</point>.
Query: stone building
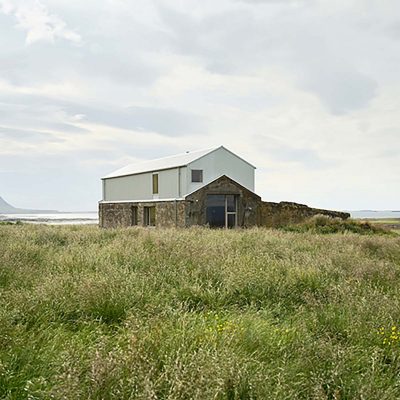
<point>213,187</point>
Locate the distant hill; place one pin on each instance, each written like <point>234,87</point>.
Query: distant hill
<point>6,208</point>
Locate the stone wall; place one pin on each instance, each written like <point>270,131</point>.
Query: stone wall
<point>168,214</point>
<point>252,211</point>
<point>247,202</point>
<point>115,215</point>
<point>284,213</point>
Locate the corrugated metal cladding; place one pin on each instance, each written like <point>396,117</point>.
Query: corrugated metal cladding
<point>135,182</point>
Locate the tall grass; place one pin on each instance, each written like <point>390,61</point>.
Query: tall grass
<point>197,314</point>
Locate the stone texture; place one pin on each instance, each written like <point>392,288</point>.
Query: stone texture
<point>248,202</point>
<point>252,211</point>
<point>284,213</point>
<point>168,213</point>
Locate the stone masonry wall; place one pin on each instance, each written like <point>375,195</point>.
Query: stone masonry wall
<point>251,210</point>
<point>284,213</point>
<point>168,214</point>
<point>247,202</point>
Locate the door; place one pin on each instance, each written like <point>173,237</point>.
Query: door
<point>134,215</point>
<point>221,210</point>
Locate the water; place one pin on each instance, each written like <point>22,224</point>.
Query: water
<point>54,219</point>
<point>374,214</point>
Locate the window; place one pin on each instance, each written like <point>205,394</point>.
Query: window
<point>150,216</point>
<point>221,210</point>
<point>134,216</point>
<point>231,211</point>
<point>197,175</point>
<point>155,183</point>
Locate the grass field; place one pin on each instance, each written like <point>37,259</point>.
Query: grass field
<point>198,314</point>
<point>389,223</point>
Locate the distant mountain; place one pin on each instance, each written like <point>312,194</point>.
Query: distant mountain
<point>6,208</point>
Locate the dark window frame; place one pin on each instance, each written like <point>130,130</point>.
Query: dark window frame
<point>155,186</point>
<point>149,213</point>
<point>222,208</point>
<point>134,215</point>
<point>198,179</point>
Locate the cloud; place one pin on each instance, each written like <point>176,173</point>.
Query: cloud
<point>34,18</point>
<point>342,91</point>
<point>164,121</point>
<point>307,91</point>
<point>301,41</point>
<point>26,135</point>
<point>277,2</point>
<point>280,151</point>
<point>70,117</point>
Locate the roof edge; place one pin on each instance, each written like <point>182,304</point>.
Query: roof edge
<point>140,201</point>
<point>144,172</point>
<point>214,180</point>
<point>229,151</point>
<point>210,150</point>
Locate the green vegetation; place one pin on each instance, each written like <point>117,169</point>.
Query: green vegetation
<point>198,314</point>
<point>392,224</point>
<point>324,224</point>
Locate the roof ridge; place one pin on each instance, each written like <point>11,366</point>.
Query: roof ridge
<point>124,171</point>
<point>175,155</point>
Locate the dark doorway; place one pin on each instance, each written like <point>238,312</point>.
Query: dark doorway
<point>221,210</point>
<point>134,215</point>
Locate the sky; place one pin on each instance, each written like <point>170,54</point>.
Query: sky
<point>306,90</point>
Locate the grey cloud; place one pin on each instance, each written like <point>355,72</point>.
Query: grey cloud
<point>35,110</point>
<point>307,157</point>
<point>102,56</point>
<point>343,53</point>
<point>26,135</point>
<point>277,2</point>
<point>165,121</point>
<point>41,63</point>
<point>168,122</point>
<point>342,91</point>
<point>226,43</point>
<point>391,153</point>
<point>121,150</point>
<point>394,30</point>
<point>240,42</point>
<point>283,152</point>
<point>34,113</point>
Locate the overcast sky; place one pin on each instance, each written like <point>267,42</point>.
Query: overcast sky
<point>307,90</point>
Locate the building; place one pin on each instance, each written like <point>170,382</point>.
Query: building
<point>213,187</point>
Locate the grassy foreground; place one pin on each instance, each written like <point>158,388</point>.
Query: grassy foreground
<point>198,314</point>
<point>392,224</point>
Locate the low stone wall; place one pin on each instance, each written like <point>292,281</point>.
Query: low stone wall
<point>284,213</point>
<point>168,214</point>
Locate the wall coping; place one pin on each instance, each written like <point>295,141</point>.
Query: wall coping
<point>140,201</point>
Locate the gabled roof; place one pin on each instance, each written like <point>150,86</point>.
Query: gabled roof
<point>218,179</point>
<point>178,160</point>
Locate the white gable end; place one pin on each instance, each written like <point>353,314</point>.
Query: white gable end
<point>221,162</point>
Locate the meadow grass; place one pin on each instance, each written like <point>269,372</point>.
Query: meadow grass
<point>392,224</point>
<point>141,313</point>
